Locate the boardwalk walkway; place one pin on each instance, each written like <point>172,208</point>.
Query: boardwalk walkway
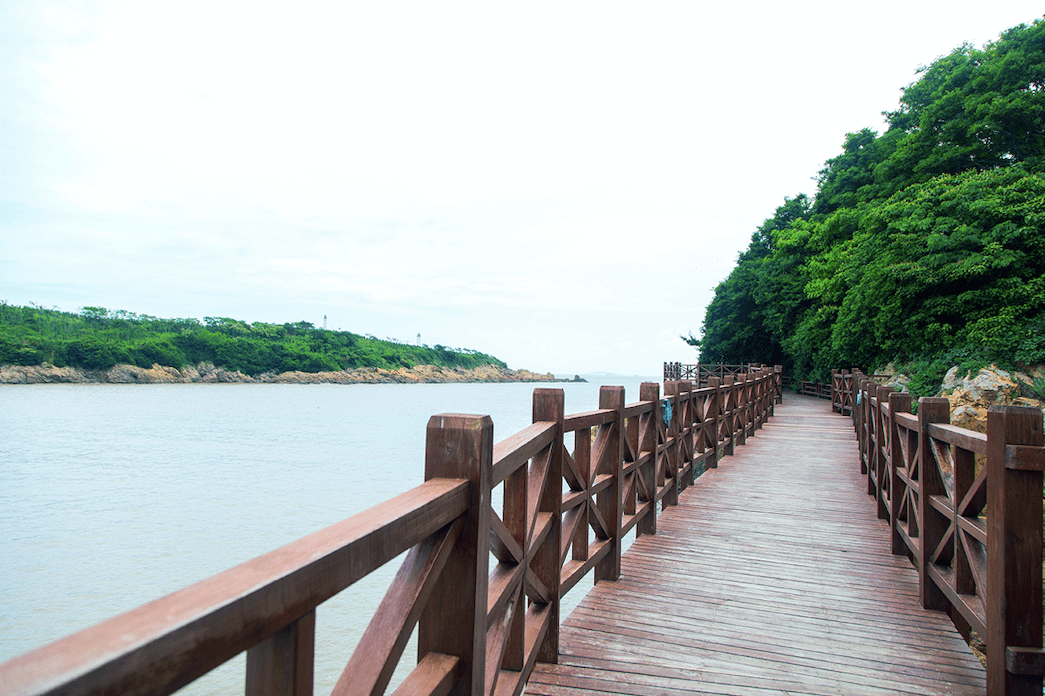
<point>773,576</point>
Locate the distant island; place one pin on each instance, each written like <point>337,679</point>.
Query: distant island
<point>39,345</point>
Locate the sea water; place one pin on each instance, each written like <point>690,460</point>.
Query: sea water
<point>114,495</point>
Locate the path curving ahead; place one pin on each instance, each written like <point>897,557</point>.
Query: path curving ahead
<point>772,576</point>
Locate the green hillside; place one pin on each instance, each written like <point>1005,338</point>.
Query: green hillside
<point>923,245</point>
<point>97,339</point>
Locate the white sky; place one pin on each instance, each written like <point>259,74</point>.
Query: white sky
<point>558,184</point>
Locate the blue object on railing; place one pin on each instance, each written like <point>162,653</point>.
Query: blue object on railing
<point>858,395</point>
<point>665,411</point>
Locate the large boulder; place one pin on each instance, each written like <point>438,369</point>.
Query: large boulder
<point>971,396</point>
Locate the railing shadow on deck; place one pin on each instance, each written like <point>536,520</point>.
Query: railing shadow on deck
<point>483,589</point>
<point>966,508</point>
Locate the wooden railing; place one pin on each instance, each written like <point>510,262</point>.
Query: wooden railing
<point>817,389</point>
<point>700,373</point>
<point>483,588</point>
<point>839,390</point>
<point>966,507</point>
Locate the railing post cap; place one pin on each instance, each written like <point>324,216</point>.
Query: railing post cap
<point>934,400</point>
<point>1014,410</point>
<point>464,421</point>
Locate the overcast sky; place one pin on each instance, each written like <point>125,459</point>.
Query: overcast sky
<point>559,184</point>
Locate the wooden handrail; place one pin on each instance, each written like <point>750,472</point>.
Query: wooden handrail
<point>970,522</point>
<point>163,645</point>
<point>510,454</point>
<point>480,629</point>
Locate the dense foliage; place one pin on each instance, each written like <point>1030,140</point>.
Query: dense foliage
<point>97,339</point>
<point>924,245</point>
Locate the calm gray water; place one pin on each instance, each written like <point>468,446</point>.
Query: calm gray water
<point>115,495</point>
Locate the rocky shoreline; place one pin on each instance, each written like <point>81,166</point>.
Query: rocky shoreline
<point>972,395</point>
<point>206,373</point>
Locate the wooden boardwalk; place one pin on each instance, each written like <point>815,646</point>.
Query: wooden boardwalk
<point>772,576</point>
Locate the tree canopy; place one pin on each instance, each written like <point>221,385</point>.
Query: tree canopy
<point>97,339</point>
<point>925,243</point>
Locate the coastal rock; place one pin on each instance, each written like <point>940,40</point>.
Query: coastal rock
<point>889,376</point>
<point>898,382</point>
<point>131,374</point>
<point>950,380</point>
<point>972,396</point>
<point>44,374</point>
<point>190,374</point>
<point>429,374</point>
<point>210,374</point>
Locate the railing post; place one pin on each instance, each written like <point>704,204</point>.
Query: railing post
<point>549,406</point>
<point>752,401</point>
<point>867,420</point>
<point>839,391</point>
<point>883,459</point>
<point>778,387</point>
<point>758,399</point>
<point>768,393</point>
<point>870,416</point>
<point>864,409</point>
<point>729,407</point>
<point>740,409</point>
<point>649,391</point>
<point>933,524</point>
<point>714,416</point>
<point>898,403</point>
<point>874,437</point>
<point>847,386</point>
<point>609,499</point>
<point>1014,575</point>
<point>689,449</point>
<point>835,377</point>
<point>854,390</point>
<point>857,422</point>
<point>674,450</point>
<point>454,619</point>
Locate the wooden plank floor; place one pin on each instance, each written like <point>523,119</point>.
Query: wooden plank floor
<point>773,576</point>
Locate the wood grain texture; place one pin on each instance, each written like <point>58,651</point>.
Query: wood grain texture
<point>773,575</point>
<point>1014,573</point>
<point>161,646</point>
